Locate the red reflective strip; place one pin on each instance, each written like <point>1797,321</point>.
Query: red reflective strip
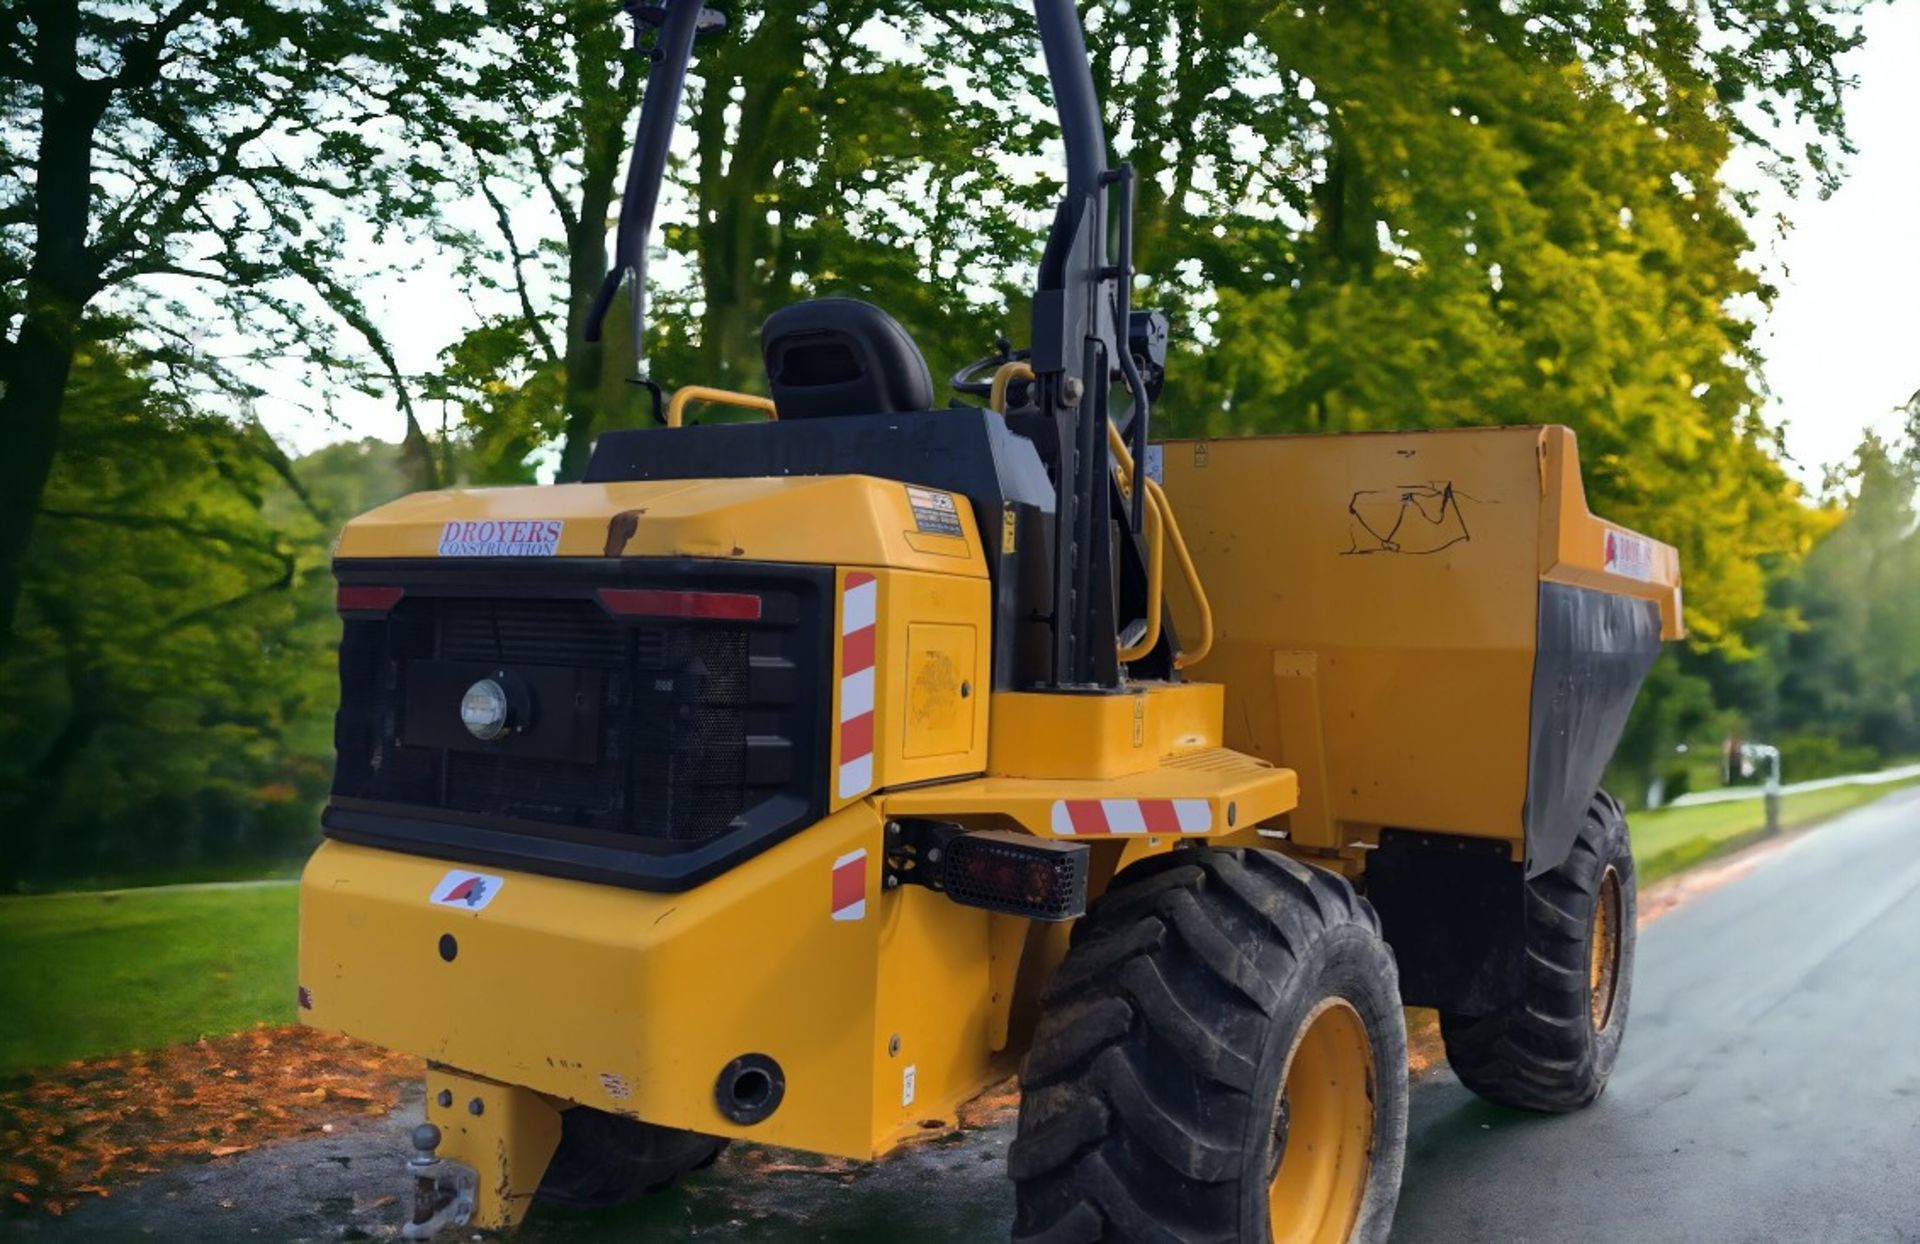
<point>856,651</point>
<point>1160,816</point>
<point>659,603</point>
<point>353,598</point>
<point>1088,816</point>
<point>858,578</point>
<point>849,883</point>
<point>856,737</point>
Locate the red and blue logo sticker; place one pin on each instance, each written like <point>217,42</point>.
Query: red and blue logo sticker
<point>465,890</point>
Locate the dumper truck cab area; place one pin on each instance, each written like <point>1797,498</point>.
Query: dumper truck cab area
<point>795,780</point>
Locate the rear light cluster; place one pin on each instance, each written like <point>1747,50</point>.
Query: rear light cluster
<point>1017,874</point>
<point>647,602</point>
<point>1014,873</point>
<point>357,598</point>
<point>622,602</point>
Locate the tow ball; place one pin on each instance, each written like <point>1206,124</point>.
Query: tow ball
<point>443,1190</point>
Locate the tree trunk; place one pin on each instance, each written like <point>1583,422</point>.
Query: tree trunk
<point>603,118</point>
<point>60,281</point>
<point>38,363</point>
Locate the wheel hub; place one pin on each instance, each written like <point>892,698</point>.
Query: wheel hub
<point>1322,1130</point>
<point>1603,964</point>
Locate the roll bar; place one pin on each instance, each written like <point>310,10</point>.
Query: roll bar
<point>1082,323</point>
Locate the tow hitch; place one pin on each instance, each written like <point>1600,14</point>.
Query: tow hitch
<point>443,1190</point>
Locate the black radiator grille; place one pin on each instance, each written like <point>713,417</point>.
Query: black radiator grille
<point>537,632</point>
<point>673,732</point>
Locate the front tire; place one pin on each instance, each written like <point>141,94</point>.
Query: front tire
<point>1554,1047</point>
<point>1221,1056</point>
<point>608,1159</point>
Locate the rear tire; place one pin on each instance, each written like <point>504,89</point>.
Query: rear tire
<point>1221,1056</point>
<point>1554,1047</point>
<point>608,1159</point>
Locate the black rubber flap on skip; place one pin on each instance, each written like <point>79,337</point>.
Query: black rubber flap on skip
<point>1593,651</point>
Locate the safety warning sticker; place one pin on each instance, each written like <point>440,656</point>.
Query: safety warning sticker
<point>933,512</point>
<point>1630,556</point>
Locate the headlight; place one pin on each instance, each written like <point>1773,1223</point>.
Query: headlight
<point>484,710</point>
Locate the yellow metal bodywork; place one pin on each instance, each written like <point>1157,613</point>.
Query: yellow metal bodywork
<point>562,992</point>
<point>1375,599</point>
<point>633,1002</point>
<point>932,664</point>
<point>838,520</point>
<point>506,1133</point>
<point>1092,737</point>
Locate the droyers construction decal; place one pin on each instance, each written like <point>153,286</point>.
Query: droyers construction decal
<point>530,537</point>
<point>465,890</point>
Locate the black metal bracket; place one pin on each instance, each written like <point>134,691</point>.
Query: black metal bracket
<point>914,851</point>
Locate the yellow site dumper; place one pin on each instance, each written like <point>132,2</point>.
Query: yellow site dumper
<point>794,780</point>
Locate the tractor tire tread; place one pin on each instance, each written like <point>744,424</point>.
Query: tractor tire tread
<point>1138,1087</point>
<point>1542,1053</point>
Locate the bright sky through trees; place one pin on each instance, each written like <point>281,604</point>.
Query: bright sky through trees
<point>1842,344</point>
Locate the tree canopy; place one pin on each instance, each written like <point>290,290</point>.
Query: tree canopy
<point>1376,213</point>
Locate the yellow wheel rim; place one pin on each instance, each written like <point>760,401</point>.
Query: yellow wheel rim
<point>1603,963</point>
<point>1323,1130</point>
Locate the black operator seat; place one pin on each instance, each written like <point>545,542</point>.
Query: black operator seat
<point>842,356</point>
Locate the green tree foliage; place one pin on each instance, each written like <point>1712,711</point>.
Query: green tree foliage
<point>1362,215</point>
<point>1418,213</point>
<point>169,689</point>
<point>170,695</point>
<point>210,171</point>
<point>1377,213</point>
<point>1852,669</point>
<point>832,152</point>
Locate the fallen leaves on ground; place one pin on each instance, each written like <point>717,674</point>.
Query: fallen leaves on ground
<point>74,1132</point>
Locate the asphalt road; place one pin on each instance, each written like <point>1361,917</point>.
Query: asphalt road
<point>1769,1090</point>
<point>1769,1086</point>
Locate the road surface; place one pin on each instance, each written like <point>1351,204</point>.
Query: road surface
<point>1769,1090</point>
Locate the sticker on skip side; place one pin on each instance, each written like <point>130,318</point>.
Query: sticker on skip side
<point>906,1085</point>
<point>527,537</point>
<point>933,511</point>
<point>465,890</point>
<point>1630,556</point>
<point>1157,464</point>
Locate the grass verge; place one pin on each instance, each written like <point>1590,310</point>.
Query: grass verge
<point>1673,839</point>
<point>93,974</point>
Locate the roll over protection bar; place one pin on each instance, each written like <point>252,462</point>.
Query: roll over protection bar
<point>1082,325</point>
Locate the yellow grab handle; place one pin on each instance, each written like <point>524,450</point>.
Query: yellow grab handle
<point>1167,532</point>
<point>1178,542</point>
<point>683,397</point>
<point>1156,579</point>
<point>1162,528</point>
<point>1007,373</point>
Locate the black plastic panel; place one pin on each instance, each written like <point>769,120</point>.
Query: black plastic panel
<point>657,751</point>
<point>963,450</point>
<point>1593,652</point>
<point>1450,908</point>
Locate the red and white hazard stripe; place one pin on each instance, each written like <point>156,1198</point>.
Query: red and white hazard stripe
<point>859,614</point>
<point>1081,818</point>
<point>850,886</point>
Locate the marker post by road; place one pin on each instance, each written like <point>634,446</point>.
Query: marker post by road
<point>1752,754</point>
